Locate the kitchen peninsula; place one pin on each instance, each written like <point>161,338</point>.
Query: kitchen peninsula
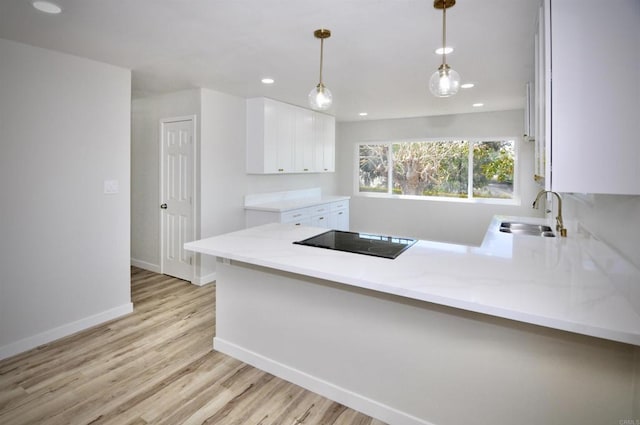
<point>521,329</point>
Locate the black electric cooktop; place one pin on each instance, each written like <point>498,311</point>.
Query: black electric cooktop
<point>359,243</point>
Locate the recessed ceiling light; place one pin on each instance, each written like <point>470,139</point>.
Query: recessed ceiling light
<point>477,105</point>
<point>446,50</point>
<point>47,7</point>
<point>467,85</point>
<point>363,114</point>
<point>267,81</point>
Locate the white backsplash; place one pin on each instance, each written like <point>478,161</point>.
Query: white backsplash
<point>615,219</point>
<point>288,195</point>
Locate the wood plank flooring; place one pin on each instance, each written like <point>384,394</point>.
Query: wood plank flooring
<point>155,366</point>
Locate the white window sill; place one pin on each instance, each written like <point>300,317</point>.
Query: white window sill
<point>491,201</point>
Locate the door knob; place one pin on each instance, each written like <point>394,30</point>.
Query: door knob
<point>163,206</point>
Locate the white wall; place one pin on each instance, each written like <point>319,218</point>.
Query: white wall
<point>146,114</point>
<point>223,182</point>
<point>615,219</point>
<point>456,222</point>
<point>64,127</point>
<point>222,176</point>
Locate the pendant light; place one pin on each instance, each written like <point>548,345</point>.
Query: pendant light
<point>445,81</point>
<point>320,97</point>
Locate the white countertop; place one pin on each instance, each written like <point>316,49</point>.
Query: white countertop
<point>294,204</point>
<point>576,284</point>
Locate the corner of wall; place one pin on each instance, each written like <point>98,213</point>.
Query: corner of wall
<point>636,384</point>
<point>145,265</point>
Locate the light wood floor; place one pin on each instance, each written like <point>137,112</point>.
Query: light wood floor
<point>155,366</point>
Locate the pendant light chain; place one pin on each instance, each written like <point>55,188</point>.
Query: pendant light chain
<point>321,58</point>
<point>444,33</point>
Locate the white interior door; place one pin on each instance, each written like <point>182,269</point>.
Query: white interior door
<point>177,196</point>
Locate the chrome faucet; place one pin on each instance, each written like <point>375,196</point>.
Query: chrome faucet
<point>559,224</point>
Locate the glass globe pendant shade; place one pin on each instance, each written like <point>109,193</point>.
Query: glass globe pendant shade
<point>320,98</point>
<point>444,82</point>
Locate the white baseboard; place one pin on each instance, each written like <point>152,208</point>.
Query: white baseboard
<point>145,265</point>
<point>65,330</point>
<point>198,280</point>
<point>333,392</point>
<point>203,280</point>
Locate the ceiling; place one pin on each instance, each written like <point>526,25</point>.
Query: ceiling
<point>378,60</point>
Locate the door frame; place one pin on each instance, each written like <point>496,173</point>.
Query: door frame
<point>196,183</point>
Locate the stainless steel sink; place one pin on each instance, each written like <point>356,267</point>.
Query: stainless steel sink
<point>528,229</point>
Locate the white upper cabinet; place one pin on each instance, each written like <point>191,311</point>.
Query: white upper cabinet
<point>593,108</point>
<point>283,138</point>
<point>542,98</point>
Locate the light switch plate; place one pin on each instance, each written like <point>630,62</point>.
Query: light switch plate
<point>111,186</point>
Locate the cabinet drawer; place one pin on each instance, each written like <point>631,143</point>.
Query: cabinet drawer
<point>319,209</point>
<point>340,205</point>
<point>300,215</point>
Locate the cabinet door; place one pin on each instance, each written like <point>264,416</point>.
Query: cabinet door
<point>542,88</point>
<point>329,142</point>
<point>343,219</point>
<point>339,215</point>
<point>270,136</point>
<point>529,112</point>
<point>596,96</point>
<point>325,140</point>
<point>285,140</point>
<point>320,221</point>
<point>304,141</point>
<point>339,219</point>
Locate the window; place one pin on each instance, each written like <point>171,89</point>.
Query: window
<point>438,168</point>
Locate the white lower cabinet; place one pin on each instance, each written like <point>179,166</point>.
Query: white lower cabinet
<point>330,215</point>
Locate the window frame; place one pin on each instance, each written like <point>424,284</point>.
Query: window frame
<point>515,200</point>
